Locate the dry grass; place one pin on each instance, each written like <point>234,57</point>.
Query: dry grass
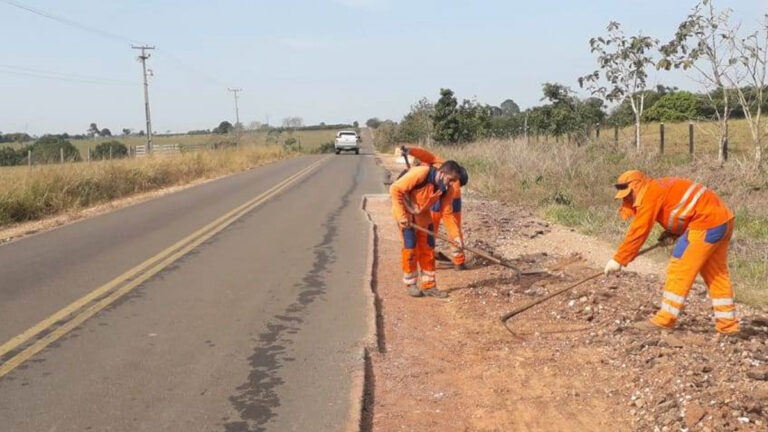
<point>573,186</point>
<point>309,140</point>
<point>32,193</point>
<point>676,137</point>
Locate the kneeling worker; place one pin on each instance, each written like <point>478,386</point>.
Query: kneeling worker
<point>704,225</point>
<point>413,195</point>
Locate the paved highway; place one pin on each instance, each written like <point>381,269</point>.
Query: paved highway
<point>237,305</point>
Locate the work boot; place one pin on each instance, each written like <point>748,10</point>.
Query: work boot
<point>648,326</point>
<point>433,292</point>
<point>414,291</point>
<point>460,267</point>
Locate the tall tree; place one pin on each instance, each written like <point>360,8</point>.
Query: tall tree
<point>93,130</point>
<point>750,68</point>
<point>624,62</point>
<point>417,126</point>
<point>509,107</point>
<point>445,118</point>
<point>702,43</point>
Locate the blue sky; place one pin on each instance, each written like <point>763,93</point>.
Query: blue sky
<point>323,60</point>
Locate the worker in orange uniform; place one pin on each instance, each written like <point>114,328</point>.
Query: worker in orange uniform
<point>452,220</point>
<point>703,226</point>
<point>413,194</point>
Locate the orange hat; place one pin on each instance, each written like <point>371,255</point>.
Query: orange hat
<point>629,181</point>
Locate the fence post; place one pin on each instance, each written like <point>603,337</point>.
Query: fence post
<point>661,138</point>
<point>725,144</point>
<point>88,154</point>
<point>29,158</point>
<point>597,131</point>
<point>616,136</point>
<point>690,138</point>
<point>61,154</point>
<point>110,152</point>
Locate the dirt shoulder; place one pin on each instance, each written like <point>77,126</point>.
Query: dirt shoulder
<point>573,363</point>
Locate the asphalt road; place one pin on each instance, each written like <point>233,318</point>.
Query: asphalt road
<point>252,323</point>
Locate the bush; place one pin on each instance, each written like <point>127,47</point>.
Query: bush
<point>48,148</point>
<point>678,106</point>
<point>10,156</point>
<point>102,151</point>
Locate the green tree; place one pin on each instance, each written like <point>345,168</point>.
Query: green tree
<point>445,120</point>
<point>702,43</point>
<point>47,149</point>
<point>509,107</point>
<point>677,106</point>
<point>102,151</point>
<point>416,126</point>
<point>93,130</point>
<point>10,156</point>
<point>223,128</point>
<point>623,61</point>
<point>474,121</point>
<point>105,132</point>
<point>373,122</point>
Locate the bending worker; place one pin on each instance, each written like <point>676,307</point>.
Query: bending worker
<point>452,220</point>
<point>704,225</point>
<point>413,195</point>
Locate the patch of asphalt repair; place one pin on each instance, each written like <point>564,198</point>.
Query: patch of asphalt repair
<point>257,397</point>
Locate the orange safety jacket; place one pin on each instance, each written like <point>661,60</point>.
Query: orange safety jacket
<point>420,185</point>
<point>677,204</point>
<point>432,159</point>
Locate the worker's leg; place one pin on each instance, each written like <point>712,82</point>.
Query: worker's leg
<point>453,227</point>
<point>425,253</point>
<point>716,275</point>
<point>690,254</point>
<point>408,258</point>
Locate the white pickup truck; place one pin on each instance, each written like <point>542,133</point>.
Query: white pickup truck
<point>347,140</point>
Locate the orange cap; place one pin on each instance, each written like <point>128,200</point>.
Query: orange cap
<point>624,183</point>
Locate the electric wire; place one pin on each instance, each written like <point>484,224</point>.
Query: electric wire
<point>64,76</point>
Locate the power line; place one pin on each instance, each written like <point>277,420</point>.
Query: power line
<point>59,78</point>
<point>113,36</point>
<point>64,76</point>
<point>69,22</point>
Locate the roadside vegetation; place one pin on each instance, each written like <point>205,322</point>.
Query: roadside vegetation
<point>30,193</point>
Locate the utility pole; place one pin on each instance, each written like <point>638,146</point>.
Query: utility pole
<point>143,57</point>
<point>238,126</point>
<point>237,110</point>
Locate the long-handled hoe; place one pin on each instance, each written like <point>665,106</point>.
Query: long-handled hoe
<point>478,252</point>
<point>533,303</point>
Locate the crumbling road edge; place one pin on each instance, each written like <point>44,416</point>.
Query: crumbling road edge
<point>359,417</point>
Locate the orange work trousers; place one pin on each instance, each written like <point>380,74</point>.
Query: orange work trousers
<point>419,254</point>
<point>453,228</point>
<point>705,252</point>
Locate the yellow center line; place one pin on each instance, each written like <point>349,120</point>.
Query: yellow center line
<point>144,271</point>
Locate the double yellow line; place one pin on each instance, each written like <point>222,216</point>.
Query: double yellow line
<point>106,294</point>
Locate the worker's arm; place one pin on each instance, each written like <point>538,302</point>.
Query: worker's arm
<point>637,234</point>
<point>424,156</point>
<point>402,187</point>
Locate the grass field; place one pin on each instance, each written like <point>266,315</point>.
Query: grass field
<point>705,136</point>
<point>308,140</point>
<point>45,190</point>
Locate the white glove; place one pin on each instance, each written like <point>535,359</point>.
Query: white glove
<point>612,267</point>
